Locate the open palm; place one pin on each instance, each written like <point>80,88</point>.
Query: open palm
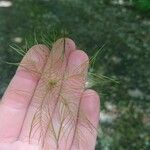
<point>46,105</point>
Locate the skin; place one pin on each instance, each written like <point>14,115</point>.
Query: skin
<point>17,108</point>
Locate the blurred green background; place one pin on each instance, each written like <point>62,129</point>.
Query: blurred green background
<point>123,26</point>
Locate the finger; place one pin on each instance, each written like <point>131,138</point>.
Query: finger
<point>20,91</point>
<point>46,95</point>
<point>85,137</point>
<point>71,93</point>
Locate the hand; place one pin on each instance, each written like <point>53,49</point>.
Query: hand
<point>46,105</point>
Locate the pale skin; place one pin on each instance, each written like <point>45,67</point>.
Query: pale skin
<point>17,108</point>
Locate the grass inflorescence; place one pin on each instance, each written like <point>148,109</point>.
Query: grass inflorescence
<point>55,102</point>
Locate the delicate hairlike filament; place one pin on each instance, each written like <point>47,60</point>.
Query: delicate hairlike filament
<point>54,104</point>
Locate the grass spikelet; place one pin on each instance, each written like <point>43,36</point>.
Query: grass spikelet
<point>57,113</point>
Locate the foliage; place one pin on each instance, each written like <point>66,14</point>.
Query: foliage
<point>143,5</point>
